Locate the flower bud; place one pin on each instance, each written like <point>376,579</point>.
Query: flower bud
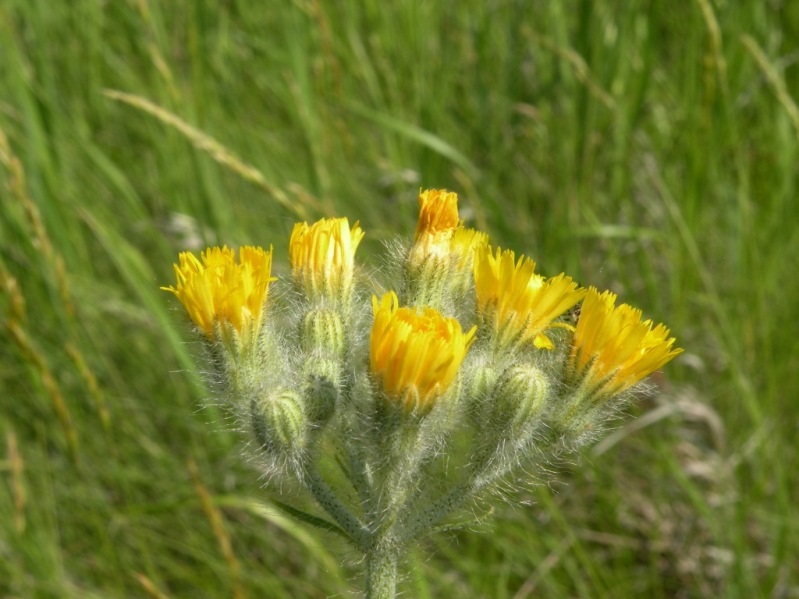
<point>279,422</point>
<point>520,397</point>
<point>430,259</point>
<point>321,379</point>
<point>323,333</point>
<point>482,382</point>
<point>427,280</point>
<point>483,377</point>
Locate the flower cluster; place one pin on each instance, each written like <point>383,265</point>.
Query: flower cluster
<point>362,399</point>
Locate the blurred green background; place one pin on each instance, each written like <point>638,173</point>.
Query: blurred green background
<point>647,147</point>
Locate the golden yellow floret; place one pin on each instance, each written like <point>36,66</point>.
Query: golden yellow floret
<point>218,289</point>
<point>464,243</point>
<point>322,256</point>
<point>438,212</point>
<point>521,303</point>
<point>438,219</point>
<point>613,348</point>
<point>414,354</point>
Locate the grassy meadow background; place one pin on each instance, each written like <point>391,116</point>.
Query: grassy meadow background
<point>647,147</point>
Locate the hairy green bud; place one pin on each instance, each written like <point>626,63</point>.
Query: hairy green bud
<point>321,379</point>
<point>520,397</point>
<point>279,422</point>
<point>428,280</point>
<point>323,333</point>
<point>483,380</point>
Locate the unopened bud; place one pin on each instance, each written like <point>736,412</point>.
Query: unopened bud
<point>279,422</point>
<point>520,397</point>
<point>321,384</point>
<point>427,279</point>
<point>578,417</point>
<point>481,389</point>
<point>323,333</point>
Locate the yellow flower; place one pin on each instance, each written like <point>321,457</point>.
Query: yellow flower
<point>612,348</point>
<point>217,289</point>
<point>438,213</point>
<point>439,264</point>
<point>322,256</point>
<point>415,354</point>
<point>438,219</point>
<point>521,303</point>
<point>465,242</point>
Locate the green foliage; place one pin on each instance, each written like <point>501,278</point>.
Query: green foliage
<point>638,147</point>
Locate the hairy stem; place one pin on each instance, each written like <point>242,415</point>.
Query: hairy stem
<point>328,501</point>
<point>381,572</point>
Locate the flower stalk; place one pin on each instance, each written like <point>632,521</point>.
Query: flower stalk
<point>381,573</point>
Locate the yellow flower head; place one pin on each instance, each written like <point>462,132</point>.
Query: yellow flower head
<point>438,219</point>
<point>217,289</point>
<point>415,354</point>
<point>521,303</point>
<point>613,348</point>
<point>322,256</point>
<point>438,212</point>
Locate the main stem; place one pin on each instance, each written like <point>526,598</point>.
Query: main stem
<point>381,573</point>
